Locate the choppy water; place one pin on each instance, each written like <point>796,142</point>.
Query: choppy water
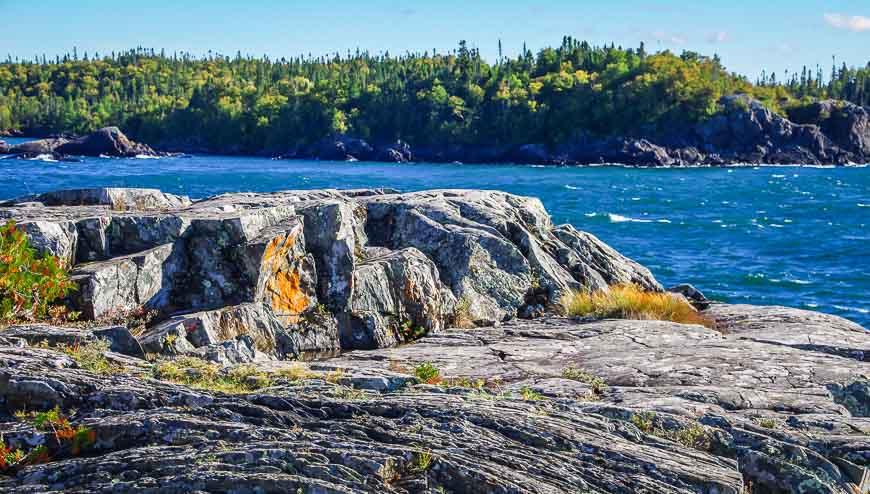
<point>770,235</point>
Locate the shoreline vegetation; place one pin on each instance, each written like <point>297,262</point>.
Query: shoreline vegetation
<point>575,104</point>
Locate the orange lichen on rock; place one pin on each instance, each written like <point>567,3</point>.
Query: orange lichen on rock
<point>288,299</point>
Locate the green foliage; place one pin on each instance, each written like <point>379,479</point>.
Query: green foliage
<point>422,461</point>
<point>410,333</point>
<point>62,439</point>
<point>596,383</point>
<point>452,98</point>
<point>528,394</point>
<point>29,284</point>
<point>200,374</point>
<point>91,356</point>
<point>692,436</point>
<point>427,373</point>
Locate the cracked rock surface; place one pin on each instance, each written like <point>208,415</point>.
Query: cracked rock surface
<point>773,400</point>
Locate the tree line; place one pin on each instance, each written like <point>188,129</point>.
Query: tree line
<point>554,95</point>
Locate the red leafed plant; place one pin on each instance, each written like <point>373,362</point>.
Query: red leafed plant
<point>29,283</point>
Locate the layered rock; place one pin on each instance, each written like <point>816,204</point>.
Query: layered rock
<point>308,272</point>
<point>776,401</point>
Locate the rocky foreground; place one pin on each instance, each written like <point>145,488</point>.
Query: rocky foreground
<point>364,286</point>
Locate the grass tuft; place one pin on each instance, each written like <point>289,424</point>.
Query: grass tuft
<point>91,356</point>
<point>631,302</point>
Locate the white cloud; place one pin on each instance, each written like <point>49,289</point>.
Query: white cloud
<point>856,23</point>
<point>668,38</point>
<point>718,37</point>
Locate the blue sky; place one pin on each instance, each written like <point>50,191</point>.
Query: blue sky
<point>748,35</point>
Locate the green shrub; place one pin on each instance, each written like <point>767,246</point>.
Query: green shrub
<point>29,283</point>
<point>427,373</point>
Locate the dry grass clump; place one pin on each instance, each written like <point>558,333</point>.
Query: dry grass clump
<point>631,302</point>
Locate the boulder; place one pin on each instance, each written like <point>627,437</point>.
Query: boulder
<point>108,141</point>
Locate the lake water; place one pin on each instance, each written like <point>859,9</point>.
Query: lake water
<point>794,236</point>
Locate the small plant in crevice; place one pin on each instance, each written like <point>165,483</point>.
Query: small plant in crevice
<point>410,333</point>
<point>462,318</point>
<point>576,374</point>
<point>29,283</point>
<point>90,356</point>
<point>421,461</point>
<point>766,422</point>
<point>692,436</point>
<point>427,373</point>
<point>529,394</point>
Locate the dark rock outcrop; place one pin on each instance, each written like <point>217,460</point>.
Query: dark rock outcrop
<point>742,132</point>
<point>108,141</point>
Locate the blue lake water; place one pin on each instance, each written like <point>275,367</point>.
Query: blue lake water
<point>791,236</point>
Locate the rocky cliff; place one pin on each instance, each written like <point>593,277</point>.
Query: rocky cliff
<point>743,132</point>
<point>364,287</point>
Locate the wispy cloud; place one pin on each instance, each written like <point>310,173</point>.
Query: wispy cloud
<point>856,23</point>
<point>669,37</point>
<point>718,37</point>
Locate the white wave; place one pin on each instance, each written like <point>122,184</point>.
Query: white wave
<point>775,225</point>
<point>43,157</point>
<point>146,157</point>
<point>618,218</point>
<point>591,215</point>
<point>853,309</point>
<point>778,176</point>
<point>861,205</point>
<point>572,187</point>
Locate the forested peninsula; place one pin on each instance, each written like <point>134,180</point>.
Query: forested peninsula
<point>576,103</point>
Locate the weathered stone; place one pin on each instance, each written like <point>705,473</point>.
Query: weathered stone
<point>123,284</point>
<point>396,293</point>
<point>57,239</point>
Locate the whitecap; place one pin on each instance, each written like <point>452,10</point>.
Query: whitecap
<point>572,187</point>
<point>862,205</point>
<point>618,218</point>
<point>146,157</point>
<point>591,215</point>
<point>43,157</point>
<point>853,309</point>
<point>775,225</point>
<point>778,176</point>
<point>663,221</point>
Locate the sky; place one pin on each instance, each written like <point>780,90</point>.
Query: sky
<point>749,36</point>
